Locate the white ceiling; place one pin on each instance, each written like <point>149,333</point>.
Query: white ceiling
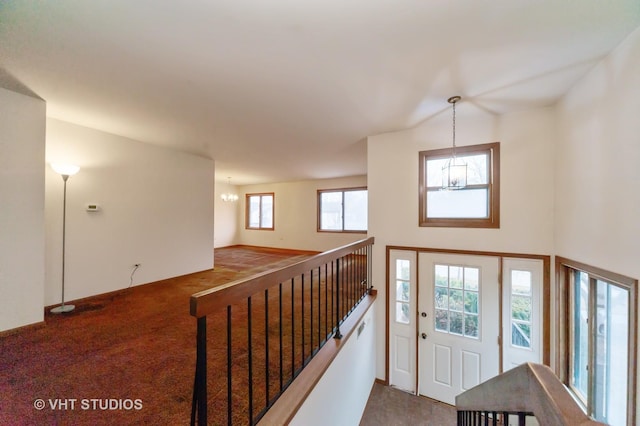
<point>280,90</point>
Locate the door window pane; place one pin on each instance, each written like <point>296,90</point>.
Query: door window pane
<point>456,296</point>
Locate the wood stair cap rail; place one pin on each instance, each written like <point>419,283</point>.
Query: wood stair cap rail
<point>215,299</point>
<point>529,388</point>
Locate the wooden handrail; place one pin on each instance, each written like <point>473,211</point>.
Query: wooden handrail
<point>213,300</point>
<point>528,388</point>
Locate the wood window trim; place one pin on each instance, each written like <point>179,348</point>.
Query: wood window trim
<point>318,212</point>
<point>247,210</point>
<point>563,269</point>
<point>493,221</point>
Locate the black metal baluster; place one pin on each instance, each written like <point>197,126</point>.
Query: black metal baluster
<point>522,419</point>
<point>495,418</point>
<point>369,268</point>
<point>311,313</point>
<point>250,360</point>
<point>338,335</point>
<point>293,336</point>
<point>319,306</point>
<point>199,398</point>
<point>326,300</point>
<point>229,366</point>
<point>280,331</point>
<point>302,309</point>
<point>266,345</point>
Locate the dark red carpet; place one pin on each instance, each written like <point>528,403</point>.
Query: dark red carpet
<point>122,358</point>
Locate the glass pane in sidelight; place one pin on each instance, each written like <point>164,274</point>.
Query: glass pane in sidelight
<point>521,282</point>
<point>521,308</point>
<point>402,291</point>
<point>520,334</point>
<point>403,269</point>
<point>402,313</point>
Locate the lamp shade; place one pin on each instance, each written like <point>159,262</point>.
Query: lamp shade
<point>65,169</point>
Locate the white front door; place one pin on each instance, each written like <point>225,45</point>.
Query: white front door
<point>402,320</point>
<point>458,326</point>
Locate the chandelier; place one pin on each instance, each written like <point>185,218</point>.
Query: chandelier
<point>229,196</point>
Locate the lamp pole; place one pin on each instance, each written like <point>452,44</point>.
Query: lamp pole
<point>65,171</point>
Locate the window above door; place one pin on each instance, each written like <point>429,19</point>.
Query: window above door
<point>476,205</point>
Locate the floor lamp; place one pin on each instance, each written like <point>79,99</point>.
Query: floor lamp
<point>65,170</point>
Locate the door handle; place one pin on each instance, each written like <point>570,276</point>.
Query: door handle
<point>423,335</point>
<point>423,314</point>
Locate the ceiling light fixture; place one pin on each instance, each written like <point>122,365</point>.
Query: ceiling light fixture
<point>454,172</point>
<point>229,196</point>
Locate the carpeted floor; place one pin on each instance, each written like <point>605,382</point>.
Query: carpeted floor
<point>123,358</point>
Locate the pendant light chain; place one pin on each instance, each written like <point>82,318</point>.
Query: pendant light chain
<point>454,129</point>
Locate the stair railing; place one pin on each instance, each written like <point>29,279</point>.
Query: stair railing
<point>276,322</point>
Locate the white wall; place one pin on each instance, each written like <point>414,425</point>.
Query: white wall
<point>598,165</point>
<point>226,225</point>
<point>296,215</point>
<point>354,369</point>
<point>598,174</point>
<point>22,130</point>
<point>156,209</point>
<point>526,198</point>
